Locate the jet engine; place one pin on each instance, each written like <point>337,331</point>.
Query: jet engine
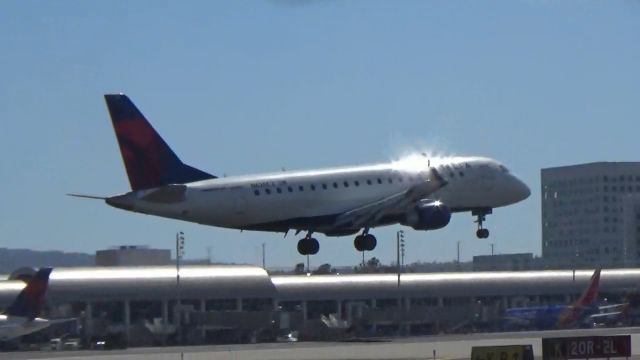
<point>428,215</point>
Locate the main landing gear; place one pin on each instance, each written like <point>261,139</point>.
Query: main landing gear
<point>365,241</point>
<point>308,245</point>
<point>481,233</point>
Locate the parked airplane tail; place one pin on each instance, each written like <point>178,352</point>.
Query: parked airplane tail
<point>590,294</point>
<point>149,161</point>
<point>586,300</point>
<point>30,300</point>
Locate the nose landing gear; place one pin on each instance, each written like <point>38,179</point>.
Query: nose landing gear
<point>481,214</point>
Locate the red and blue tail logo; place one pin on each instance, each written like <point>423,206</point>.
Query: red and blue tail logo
<point>30,300</point>
<point>149,161</point>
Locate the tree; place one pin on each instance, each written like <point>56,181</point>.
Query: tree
<point>373,263</point>
<point>324,269</point>
<point>299,269</point>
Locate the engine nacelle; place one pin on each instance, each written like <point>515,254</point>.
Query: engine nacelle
<point>428,215</point>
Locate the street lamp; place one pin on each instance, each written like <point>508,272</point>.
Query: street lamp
<point>399,245</point>
<point>179,255</point>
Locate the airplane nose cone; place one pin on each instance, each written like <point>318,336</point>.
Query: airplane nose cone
<point>521,190</point>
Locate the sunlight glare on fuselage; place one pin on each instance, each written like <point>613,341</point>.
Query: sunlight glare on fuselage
<point>420,161</point>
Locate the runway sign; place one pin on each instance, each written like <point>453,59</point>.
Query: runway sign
<point>506,352</point>
<point>586,347</point>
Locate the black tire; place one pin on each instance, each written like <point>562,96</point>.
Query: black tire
<point>370,242</point>
<point>359,243</point>
<point>302,248</point>
<point>482,233</point>
<point>313,246</point>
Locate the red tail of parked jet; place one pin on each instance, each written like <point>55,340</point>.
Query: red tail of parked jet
<point>21,317</point>
<point>586,301</point>
<point>29,302</point>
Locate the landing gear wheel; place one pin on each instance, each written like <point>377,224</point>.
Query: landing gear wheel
<point>314,245</point>
<point>366,242</point>
<point>481,214</point>
<point>370,242</point>
<point>482,233</point>
<point>308,246</point>
<point>301,247</point>
<point>360,243</point>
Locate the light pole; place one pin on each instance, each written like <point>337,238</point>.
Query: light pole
<point>458,256</point>
<point>179,255</point>
<point>400,244</point>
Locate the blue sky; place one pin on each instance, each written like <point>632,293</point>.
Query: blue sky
<point>244,87</point>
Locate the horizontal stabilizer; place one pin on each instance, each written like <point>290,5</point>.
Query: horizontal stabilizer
<point>88,196</point>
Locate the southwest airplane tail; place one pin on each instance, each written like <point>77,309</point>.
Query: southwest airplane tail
<point>572,314</point>
<point>558,316</point>
<point>29,302</point>
<point>149,161</point>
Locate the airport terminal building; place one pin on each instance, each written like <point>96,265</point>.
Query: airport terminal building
<point>214,304</point>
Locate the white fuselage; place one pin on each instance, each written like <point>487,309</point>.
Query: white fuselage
<point>12,327</point>
<point>310,200</point>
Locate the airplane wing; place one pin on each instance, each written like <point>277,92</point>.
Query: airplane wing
<point>620,307</point>
<point>60,321</point>
<point>369,214</point>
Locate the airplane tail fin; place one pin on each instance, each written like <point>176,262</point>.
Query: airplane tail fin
<point>573,313</point>
<point>590,294</point>
<point>30,300</point>
<point>149,161</point>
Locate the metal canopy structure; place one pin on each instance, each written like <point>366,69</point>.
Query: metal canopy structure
<point>229,282</point>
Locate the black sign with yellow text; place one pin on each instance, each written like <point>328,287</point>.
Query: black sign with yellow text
<point>505,352</point>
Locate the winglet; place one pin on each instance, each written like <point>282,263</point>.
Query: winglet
<point>30,300</point>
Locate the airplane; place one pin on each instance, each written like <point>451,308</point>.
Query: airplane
<point>417,191</point>
<point>21,317</point>
<point>560,316</point>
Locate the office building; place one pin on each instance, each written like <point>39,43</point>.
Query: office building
<point>591,215</point>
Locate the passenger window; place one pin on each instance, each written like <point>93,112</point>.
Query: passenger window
<point>279,190</point>
<point>257,192</point>
<point>324,186</point>
<point>290,189</point>
<point>461,173</point>
<point>301,188</point>
<point>379,181</point>
<point>268,191</point>
<point>335,185</point>
<point>313,187</point>
<point>346,184</point>
<point>368,182</point>
<point>356,183</point>
<point>390,181</point>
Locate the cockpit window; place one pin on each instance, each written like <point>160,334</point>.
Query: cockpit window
<point>503,169</point>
